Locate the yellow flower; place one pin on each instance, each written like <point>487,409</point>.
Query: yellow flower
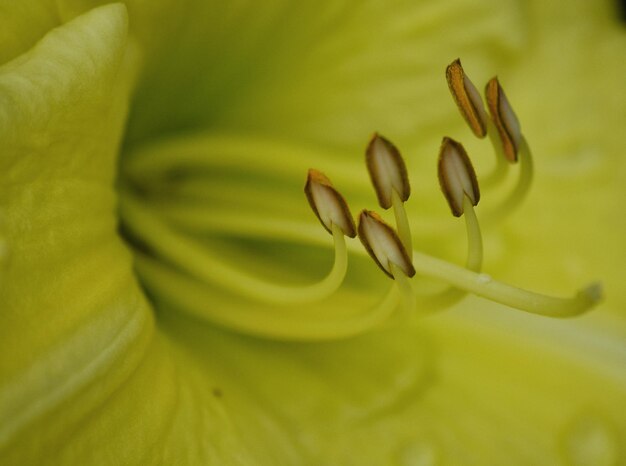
<point>199,121</point>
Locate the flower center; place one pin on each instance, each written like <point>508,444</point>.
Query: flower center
<point>217,233</point>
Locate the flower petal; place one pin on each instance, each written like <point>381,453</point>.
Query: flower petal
<point>203,389</point>
<point>304,71</point>
<point>468,388</point>
<point>74,321</point>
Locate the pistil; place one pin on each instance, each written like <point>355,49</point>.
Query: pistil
<point>184,271</point>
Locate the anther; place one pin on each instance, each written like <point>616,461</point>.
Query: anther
<point>504,119</point>
<point>467,98</point>
<point>383,244</point>
<point>456,176</point>
<point>329,206</point>
<point>387,171</point>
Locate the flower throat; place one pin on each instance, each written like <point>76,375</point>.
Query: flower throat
<point>186,273</point>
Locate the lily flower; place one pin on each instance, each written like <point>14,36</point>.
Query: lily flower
<point>170,295</point>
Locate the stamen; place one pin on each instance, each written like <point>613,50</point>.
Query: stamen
<point>456,176</point>
<point>387,171</point>
<point>499,171</point>
<point>402,223</point>
<point>473,262</point>
<point>329,206</point>
<point>467,98</point>
<point>383,244</point>
<point>391,183</point>
<point>313,324</point>
<point>522,187</point>
<point>510,145</point>
<point>407,294</point>
<point>194,259</point>
<point>474,259</point>
<point>192,272</point>
<point>504,118</point>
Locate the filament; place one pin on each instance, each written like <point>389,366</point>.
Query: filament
<point>521,189</point>
<point>407,295</point>
<point>500,169</point>
<point>212,151</point>
<point>196,260</point>
<point>402,222</point>
<point>474,260</point>
<point>197,298</point>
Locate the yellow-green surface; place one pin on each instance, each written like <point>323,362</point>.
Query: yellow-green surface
<point>210,114</point>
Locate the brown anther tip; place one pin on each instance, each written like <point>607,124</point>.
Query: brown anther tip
<point>383,244</point>
<point>467,98</point>
<point>387,170</point>
<point>457,177</point>
<point>504,119</point>
<point>328,204</point>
